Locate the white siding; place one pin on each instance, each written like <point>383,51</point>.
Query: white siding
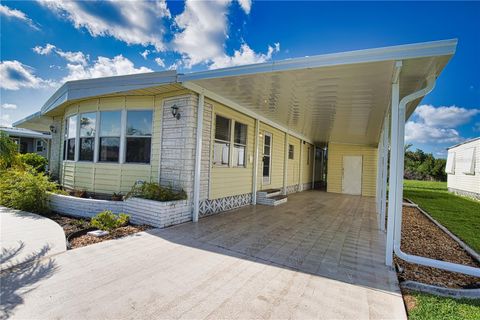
<point>465,182</point>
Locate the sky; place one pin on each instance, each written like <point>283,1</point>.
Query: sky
<point>45,43</point>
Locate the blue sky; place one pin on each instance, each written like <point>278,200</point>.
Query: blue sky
<point>46,43</point>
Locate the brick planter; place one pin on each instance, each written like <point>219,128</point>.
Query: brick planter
<point>154,213</point>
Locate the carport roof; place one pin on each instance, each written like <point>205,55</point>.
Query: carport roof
<point>339,97</point>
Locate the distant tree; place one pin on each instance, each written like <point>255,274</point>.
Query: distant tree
<point>423,166</point>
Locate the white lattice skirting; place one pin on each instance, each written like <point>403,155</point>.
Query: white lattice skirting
<point>208,207</point>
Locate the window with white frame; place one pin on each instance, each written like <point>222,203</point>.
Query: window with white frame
<point>70,137</point>
<point>138,136</point>
<point>239,144</point>
<point>469,161</point>
<point>39,146</point>
<point>450,165</point>
<point>221,149</point>
<point>87,136</point>
<point>109,136</point>
<point>308,155</point>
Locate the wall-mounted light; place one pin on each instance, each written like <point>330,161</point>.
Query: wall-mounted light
<point>175,112</point>
<point>53,129</point>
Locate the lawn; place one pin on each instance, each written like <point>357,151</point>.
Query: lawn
<point>458,214</point>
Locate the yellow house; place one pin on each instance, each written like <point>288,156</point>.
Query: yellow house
<point>238,136</point>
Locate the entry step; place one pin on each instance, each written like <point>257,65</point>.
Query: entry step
<point>271,197</point>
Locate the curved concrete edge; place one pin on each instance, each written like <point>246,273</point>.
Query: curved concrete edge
<point>26,237</point>
<point>462,244</point>
<point>441,291</point>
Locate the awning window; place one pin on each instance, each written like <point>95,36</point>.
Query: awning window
<point>450,166</point>
<point>469,161</point>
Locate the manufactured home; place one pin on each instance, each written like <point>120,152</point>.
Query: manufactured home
<point>29,141</point>
<point>251,135</point>
<point>463,168</point>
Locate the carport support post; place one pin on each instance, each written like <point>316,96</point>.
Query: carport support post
<point>313,166</point>
<point>393,176</point>
<point>255,162</point>
<point>285,164</point>
<point>198,158</point>
<point>383,196</point>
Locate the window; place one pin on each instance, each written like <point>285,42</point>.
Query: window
<point>39,146</point>
<point>109,137</point>
<point>239,144</point>
<point>71,134</point>
<point>450,166</point>
<point>138,136</point>
<point>291,152</point>
<point>221,150</point>
<point>308,155</point>
<point>87,136</point>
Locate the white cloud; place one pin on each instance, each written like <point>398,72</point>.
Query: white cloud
<point>244,56</point>
<point>246,5</point>
<point>160,62</point>
<point>451,116</point>
<point>9,106</point>
<point>133,22</point>
<point>5,120</point>
<point>17,14</point>
<point>145,54</point>
<point>16,75</point>
<point>70,56</point>
<point>203,29</point>
<point>103,67</point>
<point>422,133</point>
<point>44,50</point>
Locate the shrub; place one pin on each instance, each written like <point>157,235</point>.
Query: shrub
<point>25,189</point>
<point>153,191</point>
<point>8,151</point>
<point>38,162</point>
<point>107,220</point>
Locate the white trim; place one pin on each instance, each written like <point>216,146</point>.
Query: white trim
<point>285,164</point>
<point>383,197</point>
<point>255,162</point>
<point>233,105</point>
<point>300,167</point>
<point>313,166</point>
<point>198,158</point>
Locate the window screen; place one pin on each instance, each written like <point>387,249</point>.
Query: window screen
<point>109,138</point>
<point>240,144</point>
<point>291,152</point>
<point>139,136</point>
<point>221,150</point>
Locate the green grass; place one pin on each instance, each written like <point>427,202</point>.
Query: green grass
<point>433,307</point>
<point>458,214</point>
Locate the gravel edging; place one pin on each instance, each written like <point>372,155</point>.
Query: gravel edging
<point>462,244</point>
<point>441,291</point>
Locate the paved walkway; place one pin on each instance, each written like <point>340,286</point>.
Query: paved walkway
<point>27,236</point>
<point>320,256</point>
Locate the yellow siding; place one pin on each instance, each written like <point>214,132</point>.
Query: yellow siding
<point>307,165</point>
<point>227,181</point>
<point>335,166</point>
<point>293,171</point>
<point>278,141</point>
<point>114,177</point>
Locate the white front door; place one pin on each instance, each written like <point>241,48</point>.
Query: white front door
<point>267,158</point>
<point>352,175</point>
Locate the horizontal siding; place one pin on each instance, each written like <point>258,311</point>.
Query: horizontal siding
<point>293,171</point>
<point>459,180</point>
<point>307,166</point>
<point>227,181</point>
<point>336,152</point>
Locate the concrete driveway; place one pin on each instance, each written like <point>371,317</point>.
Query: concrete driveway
<point>320,256</point>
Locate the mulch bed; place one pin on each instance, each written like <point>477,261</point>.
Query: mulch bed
<point>69,224</point>
<point>86,240</point>
<point>422,237</point>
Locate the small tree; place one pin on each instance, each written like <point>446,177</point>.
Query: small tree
<point>8,151</point>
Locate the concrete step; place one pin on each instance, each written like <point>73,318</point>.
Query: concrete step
<point>268,193</point>
<point>272,201</point>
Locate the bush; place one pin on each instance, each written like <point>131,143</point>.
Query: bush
<point>34,160</point>
<point>8,151</point>
<point>153,191</point>
<point>107,220</point>
<point>25,189</point>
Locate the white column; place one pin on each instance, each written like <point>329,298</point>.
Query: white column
<point>383,197</point>
<point>379,172</point>
<point>255,162</point>
<point>313,166</point>
<point>198,158</point>
<point>393,175</point>
<point>285,165</point>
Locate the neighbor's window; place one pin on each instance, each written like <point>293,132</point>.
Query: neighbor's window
<point>291,152</point>
<point>239,144</point>
<point>87,136</point>
<point>109,138</point>
<point>39,146</point>
<point>71,134</point>
<point>308,155</point>
<point>138,136</point>
<point>469,161</point>
<point>450,165</point>
<point>221,150</point>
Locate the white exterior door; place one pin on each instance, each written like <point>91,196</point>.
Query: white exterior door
<point>267,158</point>
<point>352,175</point>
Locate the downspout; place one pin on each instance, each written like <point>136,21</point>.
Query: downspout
<point>198,158</point>
<point>454,267</point>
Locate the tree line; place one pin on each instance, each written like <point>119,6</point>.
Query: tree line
<point>423,166</point>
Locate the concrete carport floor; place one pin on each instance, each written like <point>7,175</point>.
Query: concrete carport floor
<point>319,256</point>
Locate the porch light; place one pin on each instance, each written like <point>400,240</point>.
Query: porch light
<point>175,112</point>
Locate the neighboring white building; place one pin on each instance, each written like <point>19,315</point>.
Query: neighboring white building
<point>29,141</point>
<point>463,168</point>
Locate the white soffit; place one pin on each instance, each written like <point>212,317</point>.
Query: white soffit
<point>330,98</point>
